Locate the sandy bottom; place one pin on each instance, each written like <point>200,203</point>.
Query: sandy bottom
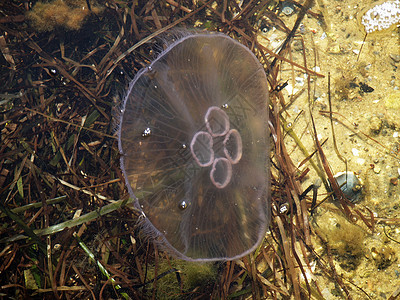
<point>365,98</point>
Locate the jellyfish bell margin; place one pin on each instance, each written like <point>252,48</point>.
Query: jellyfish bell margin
<point>194,146</point>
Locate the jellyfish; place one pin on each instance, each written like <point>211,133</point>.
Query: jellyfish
<point>194,146</point>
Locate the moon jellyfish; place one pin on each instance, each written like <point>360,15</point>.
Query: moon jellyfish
<point>194,146</point>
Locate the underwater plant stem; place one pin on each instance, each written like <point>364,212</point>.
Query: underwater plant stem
<point>288,257</point>
<point>100,266</point>
<point>34,205</point>
<point>154,34</point>
<point>332,127</point>
<point>333,183</point>
<point>359,133</point>
<point>362,45</point>
<point>71,124</point>
<point>57,64</point>
<point>325,22</point>
<point>28,231</point>
<point>67,224</point>
<point>289,130</point>
<point>307,5</point>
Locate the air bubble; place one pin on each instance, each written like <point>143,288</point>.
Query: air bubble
<point>146,132</point>
<point>183,205</point>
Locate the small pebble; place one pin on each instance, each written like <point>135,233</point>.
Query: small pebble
<point>298,46</point>
<point>360,161</point>
<point>287,8</point>
<point>299,81</point>
<point>395,57</point>
<point>350,185</point>
<point>375,125</point>
<point>355,152</point>
<point>384,256</point>
<point>335,49</point>
<point>377,169</point>
<point>302,29</point>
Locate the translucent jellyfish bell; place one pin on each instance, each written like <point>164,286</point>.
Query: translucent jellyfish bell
<point>194,148</point>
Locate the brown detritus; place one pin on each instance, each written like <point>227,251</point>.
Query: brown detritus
<point>67,14</point>
<point>375,125</point>
<point>342,236</point>
<point>383,256</point>
<point>394,180</point>
<point>344,86</point>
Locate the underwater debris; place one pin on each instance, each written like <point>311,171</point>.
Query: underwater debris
<point>193,276</point>
<point>375,125</point>
<point>201,172</point>
<point>365,88</point>
<point>383,256</point>
<point>342,236</point>
<point>287,8</point>
<point>69,14</point>
<point>381,16</point>
<point>392,100</point>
